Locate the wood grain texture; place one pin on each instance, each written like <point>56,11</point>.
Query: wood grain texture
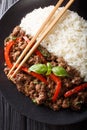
<point>12,120</point>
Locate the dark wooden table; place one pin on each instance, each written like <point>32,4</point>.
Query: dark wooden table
<point>12,120</point>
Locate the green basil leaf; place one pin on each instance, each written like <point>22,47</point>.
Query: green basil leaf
<point>49,68</point>
<point>38,68</point>
<point>59,71</point>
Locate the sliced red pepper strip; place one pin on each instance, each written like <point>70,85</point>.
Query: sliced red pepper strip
<point>75,90</point>
<point>55,78</point>
<point>9,64</point>
<point>58,86</point>
<point>38,76</point>
<point>6,53</point>
<point>39,53</point>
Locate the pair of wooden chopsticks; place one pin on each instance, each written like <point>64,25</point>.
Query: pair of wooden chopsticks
<point>46,31</point>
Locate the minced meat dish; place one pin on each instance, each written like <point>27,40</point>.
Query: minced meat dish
<point>56,85</point>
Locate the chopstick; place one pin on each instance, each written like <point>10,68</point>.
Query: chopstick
<point>35,37</point>
<point>43,36</point>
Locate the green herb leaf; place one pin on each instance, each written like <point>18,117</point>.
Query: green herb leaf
<point>59,71</point>
<point>13,37</point>
<point>78,102</point>
<point>38,68</point>
<point>49,68</point>
<point>34,101</point>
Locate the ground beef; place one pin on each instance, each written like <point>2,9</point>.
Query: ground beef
<point>38,91</point>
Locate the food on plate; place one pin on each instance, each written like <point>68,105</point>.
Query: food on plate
<point>56,73</point>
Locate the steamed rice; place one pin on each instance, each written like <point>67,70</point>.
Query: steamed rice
<point>67,39</point>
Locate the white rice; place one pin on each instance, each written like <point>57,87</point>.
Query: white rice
<point>67,39</point>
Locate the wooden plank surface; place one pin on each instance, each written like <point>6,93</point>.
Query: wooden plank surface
<point>12,120</point>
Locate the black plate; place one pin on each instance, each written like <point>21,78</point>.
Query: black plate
<point>17,100</point>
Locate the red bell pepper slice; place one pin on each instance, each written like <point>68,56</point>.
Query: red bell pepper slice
<point>39,53</point>
<point>75,90</point>
<point>58,86</point>
<point>6,53</point>
<point>38,76</point>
